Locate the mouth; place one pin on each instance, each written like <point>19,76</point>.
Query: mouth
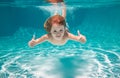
<point>58,36</point>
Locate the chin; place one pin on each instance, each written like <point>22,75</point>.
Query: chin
<point>59,38</point>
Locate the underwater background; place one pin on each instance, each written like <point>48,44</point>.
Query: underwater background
<point>99,57</point>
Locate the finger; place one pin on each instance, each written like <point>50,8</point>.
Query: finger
<point>33,37</point>
<point>78,32</point>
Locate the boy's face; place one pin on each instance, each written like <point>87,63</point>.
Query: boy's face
<point>57,31</point>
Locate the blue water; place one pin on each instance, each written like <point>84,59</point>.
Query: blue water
<point>99,21</point>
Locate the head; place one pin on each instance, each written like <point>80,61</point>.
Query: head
<point>55,26</point>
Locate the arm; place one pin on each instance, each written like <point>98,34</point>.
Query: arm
<point>55,3</point>
<point>63,9</point>
<point>80,38</point>
<point>34,42</point>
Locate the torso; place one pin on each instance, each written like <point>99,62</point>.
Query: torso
<point>58,42</point>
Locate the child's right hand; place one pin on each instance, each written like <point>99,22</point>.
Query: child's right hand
<point>32,42</point>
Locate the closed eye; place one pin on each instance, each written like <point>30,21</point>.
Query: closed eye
<point>55,31</point>
<point>61,30</point>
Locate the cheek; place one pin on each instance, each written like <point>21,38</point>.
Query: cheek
<point>63,32</point>
<point>53,34</point>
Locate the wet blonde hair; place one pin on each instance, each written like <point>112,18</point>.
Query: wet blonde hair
<point>58,19</point>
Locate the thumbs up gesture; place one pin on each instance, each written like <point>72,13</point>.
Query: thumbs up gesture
<point>32,42</point>
<point>82,38</point>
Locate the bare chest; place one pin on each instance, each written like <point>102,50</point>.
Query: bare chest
<point>58,42</point>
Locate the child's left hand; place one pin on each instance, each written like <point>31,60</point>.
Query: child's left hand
<point>82,38</point>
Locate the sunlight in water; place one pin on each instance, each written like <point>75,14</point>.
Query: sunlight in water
<point>98,58</point>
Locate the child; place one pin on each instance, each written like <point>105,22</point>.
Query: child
<point>57,32</point>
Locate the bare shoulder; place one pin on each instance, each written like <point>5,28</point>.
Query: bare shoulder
<point>44,37</point>
<point>72,36</point>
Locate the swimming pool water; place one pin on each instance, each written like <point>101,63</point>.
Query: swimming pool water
<point>98,58</point>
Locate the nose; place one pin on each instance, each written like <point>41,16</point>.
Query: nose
<point>58,34</point>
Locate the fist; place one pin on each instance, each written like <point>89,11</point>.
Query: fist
<point>82,39</point>
<point>31,43</point>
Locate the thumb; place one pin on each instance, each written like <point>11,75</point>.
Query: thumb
<point>78,32</point>
<point>33,38</point>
